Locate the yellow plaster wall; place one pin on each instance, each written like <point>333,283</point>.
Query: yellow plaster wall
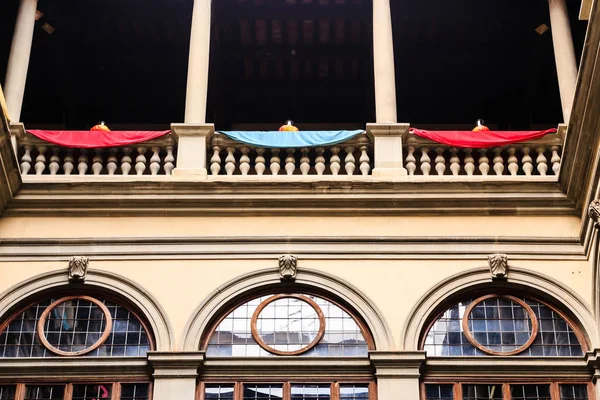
<point>395,286</point>
<point>474,226</point>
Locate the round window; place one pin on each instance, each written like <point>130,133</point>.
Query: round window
<point>500,325</point>
<point>288,324</point>
<point>74,325</point>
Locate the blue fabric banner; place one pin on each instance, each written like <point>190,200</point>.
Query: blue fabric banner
<point>277,139</point>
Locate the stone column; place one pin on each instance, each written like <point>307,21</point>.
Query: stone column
<point>387,142</point>
<point>18,60</point>
<point>175,374</point>
<point>383,63</point>
<point>594,215</point>
<point>191,148</point>
<point>197,79</point>
<point>397,374</point>
<point>564,54</point>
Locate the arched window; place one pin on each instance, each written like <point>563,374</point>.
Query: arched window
<point>297,326</point>
<point>522,331</point>
<point>75,327</point>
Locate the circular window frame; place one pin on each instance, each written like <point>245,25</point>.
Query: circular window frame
<point>276,297</point>
<point>99,342</point>
<point>476,344</point>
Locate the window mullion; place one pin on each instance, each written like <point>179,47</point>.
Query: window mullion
<point>116,391</point>
<point>335,391</point>
<point>554,391</point>
<point>68,391</point>
<point>287,391</point>
<point>458,395</point>
<point>20,391</point>
<point>506,391</point>
<point>372,391</point>
<point>238,391</point>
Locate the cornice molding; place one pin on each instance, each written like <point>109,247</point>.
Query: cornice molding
<point>397,364</point>
<point>74,369</point>
<point>175,364</point>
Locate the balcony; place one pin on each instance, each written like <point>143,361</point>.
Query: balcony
<point>381,153</point>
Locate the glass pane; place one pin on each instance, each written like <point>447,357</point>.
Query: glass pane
<point>263,392</point>
<point>439,392</point>
<point>92,392</point>
<point>7,392</point>
<point>218,392</point>
<point>577,392</point>
<point>44,392</point>
<point>134,391</point>
<point>289,327</point>
<point>72,326</point>
<point>311,392</point>
<point>500,324</point>
<point>482,392</point>
<point>530,392</point>
<point>354,392</point>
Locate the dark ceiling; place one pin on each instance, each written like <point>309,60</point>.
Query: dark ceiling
<point>125,61</point>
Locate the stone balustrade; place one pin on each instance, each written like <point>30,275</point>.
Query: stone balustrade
<point>155,157</point>
<point>539,157</point>
<point>227,157</point>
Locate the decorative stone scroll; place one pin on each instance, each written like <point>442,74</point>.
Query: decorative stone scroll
<point>498,266</point>
<point>78,266</point>
<point>594,213</point>
<point>288,264</point>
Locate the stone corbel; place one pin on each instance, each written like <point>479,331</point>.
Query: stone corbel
<point>397,364</point>
<point>288,267</point>
<point>498,266</point>
<point>594,214</point>
<point>78,266</point>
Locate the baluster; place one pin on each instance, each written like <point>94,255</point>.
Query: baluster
<point>215,160</point>
<point>155,161</point>
<point>275,162</point>
<point>350,161</point>
<point>26,160</point>
<point>244,160</point>
<point>555,160</point>
<point>542,161</point>
<point>111,161</point>
<point>484,162</point>
<point>320,160</point>
<point>527,161</point>
<point>82,166</point>
<point>334,161</point>
<point>126,161</point>
<point>469,162</point>
<point>40,160</point>
<point>498,161</point>
<point>290,162</point>
<point>140,161</point>
<point>69,162</point>
<point>259,164</point>
<point>169,161</point>
<point>425,161</point>
<point>411,161</point>
<point>365,165</point>
<point>97,162</point>
<point>513,166</point>
<point>54,161</point>
<point>440,161</point>
<point>304,161</point>
<point>230,160</point>
<point>454,161</point>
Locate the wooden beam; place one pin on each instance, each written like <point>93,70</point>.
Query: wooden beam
<point>585,10</point>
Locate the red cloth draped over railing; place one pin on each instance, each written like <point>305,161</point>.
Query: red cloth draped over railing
<point>480,139</point>
<point>96,139</point>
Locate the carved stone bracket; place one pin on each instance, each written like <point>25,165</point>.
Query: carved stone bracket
<point>594,213</point>
<point>498,266</point>
<point>288,265</point>
<point>78,266</point>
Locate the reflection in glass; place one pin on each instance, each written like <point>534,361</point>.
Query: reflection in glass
<point>482,392</point>
<point>311,392</point>
<point>573,392</point>
<point>47,392</point>
<point>134,391</point>
<point>91,392</point>
<point>269,392</point>
<point>354,392</point>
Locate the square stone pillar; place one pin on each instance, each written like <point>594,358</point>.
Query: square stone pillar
<point>397,374</point>
<point>175,374</point>
<point>387,142</point>
<point>17,131</point>
<point>191,148</point>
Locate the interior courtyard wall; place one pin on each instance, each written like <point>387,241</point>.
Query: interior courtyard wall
<point>394,286</point>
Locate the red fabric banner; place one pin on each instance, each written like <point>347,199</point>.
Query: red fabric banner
<point>480,139</point>
<point>96,139</point>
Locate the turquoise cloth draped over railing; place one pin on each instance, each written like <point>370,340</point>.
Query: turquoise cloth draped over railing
<point>277,139</point>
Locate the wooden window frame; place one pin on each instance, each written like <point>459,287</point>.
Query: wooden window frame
<point>238,386</point>
<point>444,307</point>
<point>457,391</point>
<point>98,296</point>
<point>68,394</point>
<point>213,325</point>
